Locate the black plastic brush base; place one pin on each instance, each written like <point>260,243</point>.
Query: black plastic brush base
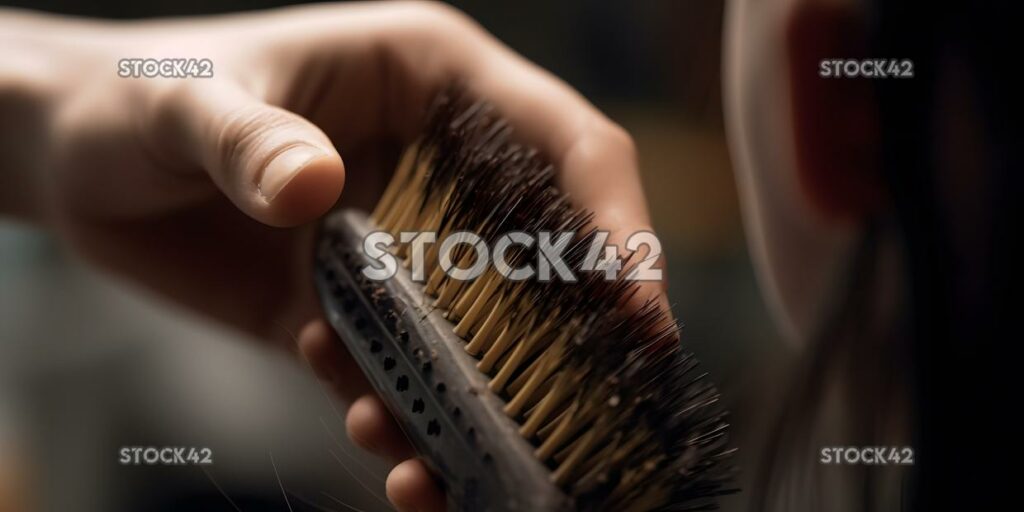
<point>432,386</point>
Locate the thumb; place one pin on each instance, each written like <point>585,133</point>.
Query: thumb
<point>274,165</point>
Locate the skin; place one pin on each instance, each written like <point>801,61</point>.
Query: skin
<point>206,191</point>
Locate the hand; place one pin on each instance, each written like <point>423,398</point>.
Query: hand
<point>184,185</point>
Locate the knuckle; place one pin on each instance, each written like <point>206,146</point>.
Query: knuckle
<point>439,20</point>
<point>618,138</point>
<point>604,140</point>
<point>166,104</point>
<point>429,10</point>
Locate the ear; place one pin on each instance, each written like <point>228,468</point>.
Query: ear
<point>835,119</point>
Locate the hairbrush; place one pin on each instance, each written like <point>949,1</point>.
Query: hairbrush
<point>528,394</point>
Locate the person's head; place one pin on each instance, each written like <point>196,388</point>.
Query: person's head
<point>805,148</point>
<point>877,207</point>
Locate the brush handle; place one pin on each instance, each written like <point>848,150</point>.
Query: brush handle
<point>428,381</point>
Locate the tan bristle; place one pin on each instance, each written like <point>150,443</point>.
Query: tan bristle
<point>545,432</point>
<point>508,333</point>
<point>519,354</point>
<point>549,361</point>
<point>559,390</point>
<point>562,432</point>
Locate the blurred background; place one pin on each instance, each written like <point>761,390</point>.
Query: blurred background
<point>89,365</point>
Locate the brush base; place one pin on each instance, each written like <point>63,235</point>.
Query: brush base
<point>431,385</point>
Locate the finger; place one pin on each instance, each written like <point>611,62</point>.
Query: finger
<point>410,487</point>
<point>371,426</point>
<point>331,362</point>
<point>274,165</point>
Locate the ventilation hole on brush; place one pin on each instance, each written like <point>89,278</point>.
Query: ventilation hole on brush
<point>360,322</point>
<point>441,387</point>
<point>433,428</point>
<point>375,346</point>
<point>389,363</point>
<point>403,383</point>
<point>418,406</point>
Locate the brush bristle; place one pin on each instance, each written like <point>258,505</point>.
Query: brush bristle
<point>613,404</point>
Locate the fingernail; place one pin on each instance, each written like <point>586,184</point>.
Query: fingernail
<point>283,167</point>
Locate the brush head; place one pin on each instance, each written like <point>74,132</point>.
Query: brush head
<point>524,394</point>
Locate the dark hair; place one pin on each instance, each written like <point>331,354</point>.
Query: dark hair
<point>960,289</point>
